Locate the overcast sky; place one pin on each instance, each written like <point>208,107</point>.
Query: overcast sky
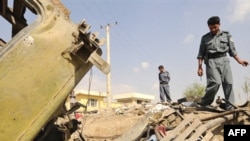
<point>150,33</point>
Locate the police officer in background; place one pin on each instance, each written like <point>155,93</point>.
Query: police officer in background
<point>164,79</point>
<point>213,50</point>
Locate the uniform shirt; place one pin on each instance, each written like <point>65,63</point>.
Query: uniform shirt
<point>164,77</point>
<point>219,43</point>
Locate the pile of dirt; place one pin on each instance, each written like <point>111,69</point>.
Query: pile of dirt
<point>108,125</point>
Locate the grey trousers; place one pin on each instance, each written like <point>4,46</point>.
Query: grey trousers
<point>164,93</point>
<point>218,72</point>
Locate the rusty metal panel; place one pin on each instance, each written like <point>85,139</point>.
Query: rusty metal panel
<point>35,77</point>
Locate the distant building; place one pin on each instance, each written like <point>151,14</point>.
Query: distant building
<point>97,100</point>
<point>93,99</point>
<point>133,98</point>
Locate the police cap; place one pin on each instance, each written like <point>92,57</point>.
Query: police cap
<point>161,67</point>
<point>213,20</point>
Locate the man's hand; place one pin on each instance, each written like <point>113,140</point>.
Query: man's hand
<point>200,71</point>
<point>242,62</point>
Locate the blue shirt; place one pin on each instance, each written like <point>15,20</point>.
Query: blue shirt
<point>164,77</point>
<point>219,43</point>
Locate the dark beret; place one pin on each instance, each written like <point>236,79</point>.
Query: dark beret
<point>213,20</point>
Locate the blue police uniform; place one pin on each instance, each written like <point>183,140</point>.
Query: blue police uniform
<point>214,49</point>
<point>164,78</point>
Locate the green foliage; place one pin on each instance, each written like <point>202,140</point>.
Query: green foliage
<point>194,92</point>
<point>246,86</point>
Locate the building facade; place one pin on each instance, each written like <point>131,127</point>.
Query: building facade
<point>93,100</point>
<point>133,98</point>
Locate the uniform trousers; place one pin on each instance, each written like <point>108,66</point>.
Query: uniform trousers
<point>165,93</point>
<point>218,72</point>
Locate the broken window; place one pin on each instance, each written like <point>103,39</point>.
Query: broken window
<point>139,101</point>
<point>92,103</point>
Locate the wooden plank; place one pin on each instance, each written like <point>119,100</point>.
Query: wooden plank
<point>208,136</point>
<point>213,139</point>
<point>183,124</point>
<point>198,132</point>
<point>192,127</point>
<point>189,130</point>
<point>171,118</point>
<point>167,112</point>
<point>178,129</point>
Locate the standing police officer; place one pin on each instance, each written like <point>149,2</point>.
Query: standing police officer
<point>213,50</point>
<point>164,79</point>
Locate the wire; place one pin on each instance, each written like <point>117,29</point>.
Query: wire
<point>89,87</point>
<point>90,80</point>
<point>121,34</point>
<point>125,40</point>
<point>93,16</point>
<point>109,10</point>
<point>99,10</point>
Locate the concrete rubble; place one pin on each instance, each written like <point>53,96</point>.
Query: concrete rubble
<point>160,122</point>
<point>75,55</point>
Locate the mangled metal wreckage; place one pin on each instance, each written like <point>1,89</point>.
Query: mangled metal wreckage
<point>40,66</point>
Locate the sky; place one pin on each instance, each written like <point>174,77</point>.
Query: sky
<point>161,32</point>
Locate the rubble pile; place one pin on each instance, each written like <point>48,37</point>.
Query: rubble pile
<point>108,125</point>
<point>160,122</point>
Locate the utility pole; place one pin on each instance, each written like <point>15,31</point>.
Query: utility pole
<point>109,95</point>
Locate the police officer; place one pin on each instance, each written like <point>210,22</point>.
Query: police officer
<point>164,79</point>
<point>214,47</point>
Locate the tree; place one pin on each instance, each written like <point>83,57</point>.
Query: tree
<point>246,87</point>
<point>194,92</point>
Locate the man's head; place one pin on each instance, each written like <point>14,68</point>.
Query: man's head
<point>161,68</point>
<point>214,24</point>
